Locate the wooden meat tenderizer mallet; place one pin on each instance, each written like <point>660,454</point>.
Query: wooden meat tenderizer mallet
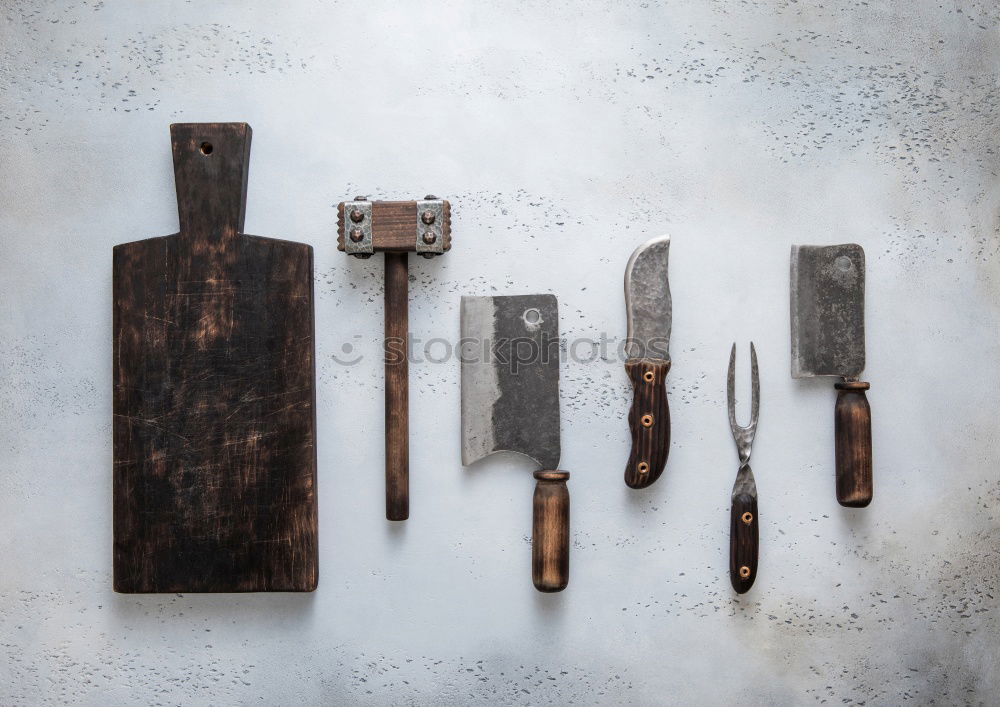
<point>396,228</point>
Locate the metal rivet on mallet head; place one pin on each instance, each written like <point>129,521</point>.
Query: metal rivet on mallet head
<point>357,216</point>
<point>429,238</point>
<point>427,217</point>
<point>357,235</point>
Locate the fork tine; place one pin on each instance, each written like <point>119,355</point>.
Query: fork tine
<point>731,390</point>
<point>755,387</point>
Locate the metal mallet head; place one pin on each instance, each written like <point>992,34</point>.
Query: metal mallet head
<point>421,226</point>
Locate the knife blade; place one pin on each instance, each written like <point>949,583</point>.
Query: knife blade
<point>510,403</point>
<point>647,349</point>
<point>828,339</point>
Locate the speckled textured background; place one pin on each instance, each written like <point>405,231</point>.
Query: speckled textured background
<point>565,134</point>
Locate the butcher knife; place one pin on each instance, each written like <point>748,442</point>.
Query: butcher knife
<point>510,403</point>
<point>647,351</point>
<point>828,339</point>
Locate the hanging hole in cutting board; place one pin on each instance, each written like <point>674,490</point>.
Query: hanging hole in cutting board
<point>206,148</point>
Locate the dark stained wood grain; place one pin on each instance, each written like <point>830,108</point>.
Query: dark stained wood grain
<point>743,542</point>
<point>394,226</point>
<point>650,443</point>
<point>853,431</point>
<point>550,532</point>
<point>397,396</point>
<point>214,394</point>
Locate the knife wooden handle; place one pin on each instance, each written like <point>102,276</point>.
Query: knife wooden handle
<point>854,444</point>
<point>743,542</point>
<point>550,532</point>
<point>649,421</point>
<point>397,396</point>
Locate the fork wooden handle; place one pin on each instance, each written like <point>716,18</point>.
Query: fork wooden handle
<point>853,429</point>
<point>743,542</point>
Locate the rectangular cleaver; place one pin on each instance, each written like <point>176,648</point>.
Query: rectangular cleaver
<point>828,339</point>
<point>510,403</point>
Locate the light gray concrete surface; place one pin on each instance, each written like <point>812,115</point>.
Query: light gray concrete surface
<point>565,134</point>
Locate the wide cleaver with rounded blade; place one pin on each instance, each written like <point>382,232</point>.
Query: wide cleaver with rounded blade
<point>510,403</point>
<point>828,339</point>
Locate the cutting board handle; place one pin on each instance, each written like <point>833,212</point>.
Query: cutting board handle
<point>853,429</point>
<point>550,532</point>
<point>211,165</point>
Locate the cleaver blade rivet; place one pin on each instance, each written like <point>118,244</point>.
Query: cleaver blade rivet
<point>646,420</point>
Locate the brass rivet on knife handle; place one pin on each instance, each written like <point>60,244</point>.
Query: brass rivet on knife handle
<point>650,442</point>
<point>744,572</point>
<point>550,532</point>
<point>853,431</point>
<point>649,376</point>
<point>747,518</point>
<point>396,228</point>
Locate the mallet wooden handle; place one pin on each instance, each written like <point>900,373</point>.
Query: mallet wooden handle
<point>853,429</point>
<point>397,397</point>
<point>395,228</point>
<point>550,532</point>
<point>648,420</point>
<point>743,542</point>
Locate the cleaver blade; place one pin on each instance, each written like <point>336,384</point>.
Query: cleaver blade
<point>510,377</point>
<point>828,310</point>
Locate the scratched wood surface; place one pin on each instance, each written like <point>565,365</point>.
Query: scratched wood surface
<point>214,391</point>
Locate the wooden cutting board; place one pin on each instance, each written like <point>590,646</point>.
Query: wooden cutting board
<point>214,391</point>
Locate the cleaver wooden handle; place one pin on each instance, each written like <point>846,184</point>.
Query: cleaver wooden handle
<point>550,532</point>
<point>743,542</point>
<point>853,428</point>
<point>397,392</point>
<point>649,421</point>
